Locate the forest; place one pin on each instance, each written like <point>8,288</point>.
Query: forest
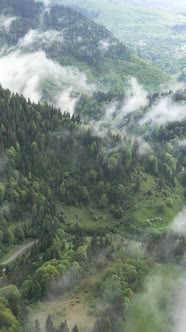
<point>51,161</point>
<point>90,201</point>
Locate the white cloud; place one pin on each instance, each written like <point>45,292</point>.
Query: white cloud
<point>5,22</point>
<point>178,225</point>
<point>165,111</point>
<point>134,100</point>
<point>105,44</point>
<point>144,147</point>
<point>45,2</point>
<point>181,143</point>
<point>28,73</point>
<point>40,38</point>
<point>66,100</point>
<point>179,305</point>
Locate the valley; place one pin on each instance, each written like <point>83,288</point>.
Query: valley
<point>152,30</point>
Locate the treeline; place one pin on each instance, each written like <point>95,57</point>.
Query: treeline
<point>50,327</point>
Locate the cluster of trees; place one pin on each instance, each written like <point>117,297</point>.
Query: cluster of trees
<point>49,326</point>
<point>11,309</point>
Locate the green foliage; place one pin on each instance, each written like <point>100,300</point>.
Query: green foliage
<point>42,279</point>
<point>13,296</point>
<point>112,288</point>
<point>8,322</point>
<point>169,202</point>
<point>103,202</point>
<point>2,192</point>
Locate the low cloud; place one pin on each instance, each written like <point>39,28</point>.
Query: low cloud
<point>181,144</point>
<point>45,2</point>
<point>67,100</point>
<point>5,22</point>
<point>178,225</point>
<point>34,75</point>
<point>164,112</point>
<point>105,44</point>
<point>162,304</point>
<point>40,38</point>
<point>179,305</point>
<point>136,98</point>
<point>144,148</point>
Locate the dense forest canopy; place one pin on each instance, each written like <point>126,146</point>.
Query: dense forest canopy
<point>87,197</point>
<point>50,161</point>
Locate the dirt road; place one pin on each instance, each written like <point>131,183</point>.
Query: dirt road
<point>18,252</point>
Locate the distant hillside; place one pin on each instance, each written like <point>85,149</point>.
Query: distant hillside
<point>75,40</point>
<point>146,27</point>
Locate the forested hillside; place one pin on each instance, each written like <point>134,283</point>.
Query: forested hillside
<point>73,190</point>
<point>92,190</point>
<point>72,39</point>
<point>154,29</point>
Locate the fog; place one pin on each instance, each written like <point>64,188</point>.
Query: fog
<point>40,38</point>
<point>165,111</point>
<point>33,75</point>
<point>26,69</point>
<point>162,305</point>
<point>5,22</point>
<point>135,99</point>
<point>178,225</point>
<point>164,4</point>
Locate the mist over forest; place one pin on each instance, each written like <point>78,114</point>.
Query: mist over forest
<point>92,166</point>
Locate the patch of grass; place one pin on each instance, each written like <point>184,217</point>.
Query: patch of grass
<point>150,203</point>
<point>165,218</point>
<point>86,217</point>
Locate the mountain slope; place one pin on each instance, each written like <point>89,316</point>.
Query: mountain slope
<point>72,39</point>
<point>76,191</point>
<point>146,27</point>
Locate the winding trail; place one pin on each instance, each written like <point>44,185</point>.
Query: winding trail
<point>18,252</point>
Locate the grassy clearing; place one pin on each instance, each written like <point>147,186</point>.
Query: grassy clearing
<point>87,217</point>
<point>151,203</point>
<point>166,216</point>
<point>81,306</point>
